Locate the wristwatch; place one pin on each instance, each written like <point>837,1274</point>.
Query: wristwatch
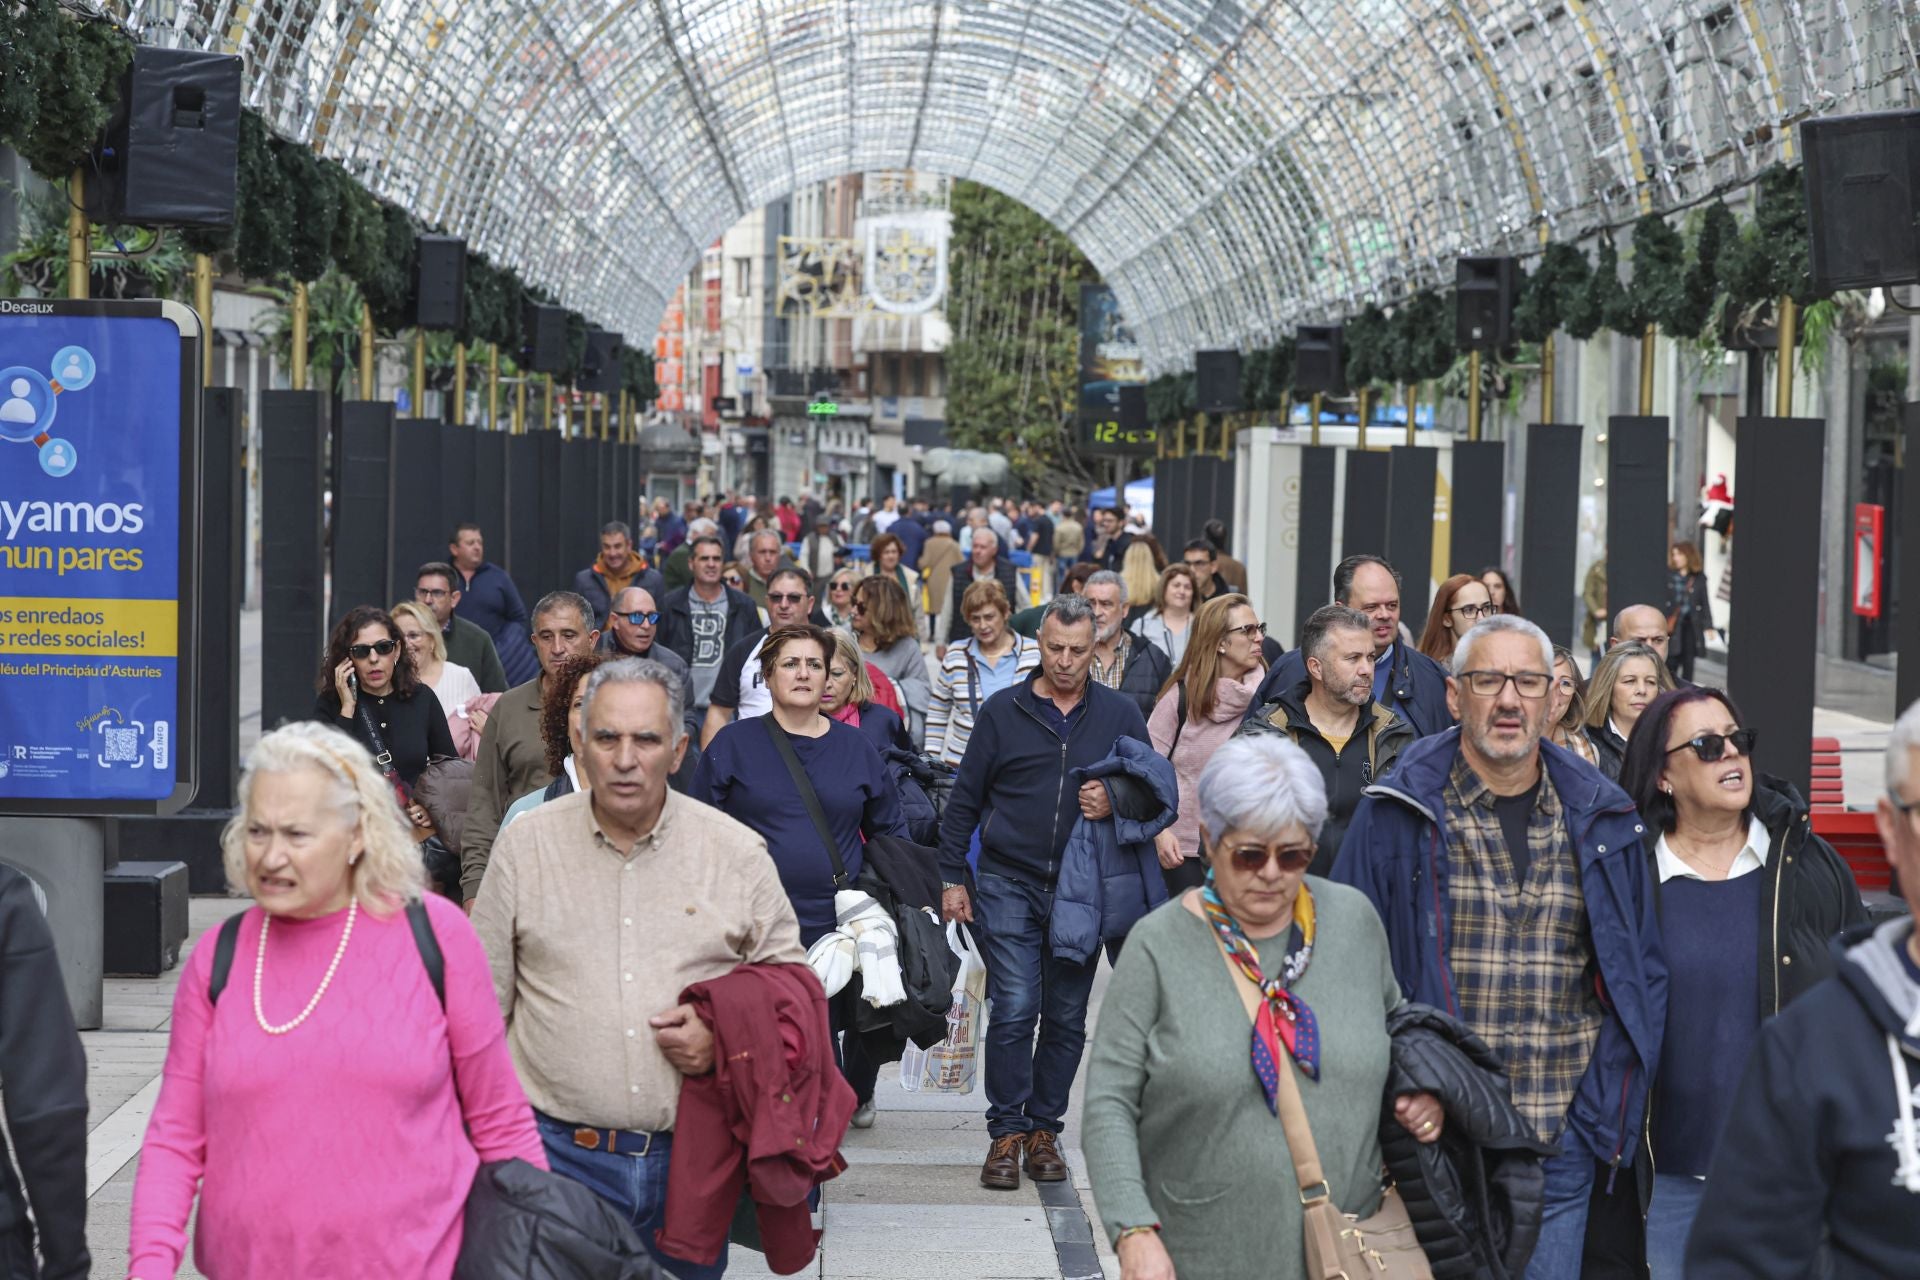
<point>948,884</point>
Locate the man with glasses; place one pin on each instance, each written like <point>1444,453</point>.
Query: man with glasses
<point>633,632</point>
<point>436,586</point>
<point>1123,661</point>
<point>1405,681</point>
<point>1200,557</point>
<point>1819,1171</point>
<point>1516,887</point>
<point>1331,715</point>
<point>740,690</point>
<point>705,618</point>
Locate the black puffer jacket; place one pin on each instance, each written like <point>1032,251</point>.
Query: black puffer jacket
<point>1474,1195</point>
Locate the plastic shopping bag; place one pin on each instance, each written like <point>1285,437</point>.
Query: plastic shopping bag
<point>953,1065</point>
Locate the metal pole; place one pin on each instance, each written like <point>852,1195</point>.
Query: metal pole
<point>459,380</point>
<point>299,371</point>
<point>626,416</point>
<point>550,422</point>
<point>1788,326</point>
<point>1314,410</point>
<point>203,303</point>
<point>419,372</point>
<point>520,406</point>
<point>77,250</point>
<point>1546,379</point>
<point>1473,395</point>
<point>1413,407</point>
<point>366,352</point>
<point>493,386</point>
<point>1646,372</point>
<point>1365,405</point>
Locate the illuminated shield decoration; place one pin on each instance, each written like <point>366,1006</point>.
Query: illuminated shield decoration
<point>907,261</point>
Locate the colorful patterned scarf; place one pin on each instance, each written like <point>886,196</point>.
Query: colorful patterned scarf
<point>1284,1017</point>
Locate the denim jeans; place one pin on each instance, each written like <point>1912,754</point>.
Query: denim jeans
<point>1676,1199</point>
<point>636,1185</point>
<point>1563,1213</point>
<point>1028,1081</point>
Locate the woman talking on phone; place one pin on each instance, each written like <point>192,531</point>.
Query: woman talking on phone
<point>370,691</point>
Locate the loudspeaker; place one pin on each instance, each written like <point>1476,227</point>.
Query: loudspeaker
<point>1216,381</point>
<point>172,146</point>
<point>146,906</point>
<point>1319,360</point>
<point>1133,407</point>
<point>1862,176</point>
<point>1483,290</point>
<point>545,334</point>
<point>439,282</point>
<point>600,369</point>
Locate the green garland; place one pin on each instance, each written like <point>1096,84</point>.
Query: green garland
<point>1549,292</point>
<point>1659,285</point>
<point>76,76</point>
<point>1420,337</point>
<point>1769,258</point>
<point>1254,378</point>
<point>29,45</point>
<point>264,208</point>
<point>1717,230</point>
<point>1367,345</point>
<point>315,186</point>
<point>636,374</point>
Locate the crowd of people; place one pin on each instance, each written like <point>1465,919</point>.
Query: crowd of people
<point>1520,966</point>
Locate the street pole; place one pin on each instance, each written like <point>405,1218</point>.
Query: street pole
<point>1789,324</point>
<point>419,373</point>
<point>1473,395</point>
<point>493,386</point>
<point>1646,372</point>
<point>298,374</point>
<point>78,256</point>
<point>459,380</point>
<point>366,352</point>
<point>203,303</point>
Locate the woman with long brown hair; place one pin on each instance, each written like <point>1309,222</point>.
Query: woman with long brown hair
<point>1567,708</point>
<point>1461,601</point>
<point>1689,611</point>
<point>884,624</point>
<point>1201,705</point>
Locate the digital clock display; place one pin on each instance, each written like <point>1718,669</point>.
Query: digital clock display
<point>1110,437</point>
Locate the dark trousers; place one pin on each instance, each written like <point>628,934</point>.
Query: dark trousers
<point>1190,874</point>
<point>1029,1080</point>
<point>859,1067</point>
<point>636,1185</point>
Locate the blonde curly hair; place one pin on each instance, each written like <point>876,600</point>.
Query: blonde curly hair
<point>390,872</point>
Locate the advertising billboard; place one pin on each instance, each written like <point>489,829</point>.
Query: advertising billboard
<point>1110,359</point>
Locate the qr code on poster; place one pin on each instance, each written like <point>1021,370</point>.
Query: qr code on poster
<point>122,746</point>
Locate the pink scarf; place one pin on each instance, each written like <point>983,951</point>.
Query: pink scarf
<point>848,715</point>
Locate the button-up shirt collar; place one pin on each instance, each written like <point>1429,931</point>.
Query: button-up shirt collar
<point>1752,856</point>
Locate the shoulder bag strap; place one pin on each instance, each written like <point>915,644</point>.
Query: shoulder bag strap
<point>429,947</point>
<point>223,948</point>
<point>973,681</point>
<point>784,746</point>
<point>1180,721</point>
<point>381,756</point>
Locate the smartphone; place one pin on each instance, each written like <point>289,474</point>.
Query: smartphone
<point>353,682</point>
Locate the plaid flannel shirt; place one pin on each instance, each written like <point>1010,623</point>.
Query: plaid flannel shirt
<point>1521,955</point>
<point>1109,674</point>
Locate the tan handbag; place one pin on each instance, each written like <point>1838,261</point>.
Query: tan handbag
<point>1339,1246</point>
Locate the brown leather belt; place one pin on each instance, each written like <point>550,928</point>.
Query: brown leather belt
<point>621,1142</point>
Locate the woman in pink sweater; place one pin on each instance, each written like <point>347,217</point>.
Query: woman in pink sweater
<point>323,1105</point>
<point>1203,703</point>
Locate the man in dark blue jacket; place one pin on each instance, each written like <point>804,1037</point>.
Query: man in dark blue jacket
<point>1514,883</point>
<point>489,600</point>
<point>1406,681</point>
<point>1016,785</point>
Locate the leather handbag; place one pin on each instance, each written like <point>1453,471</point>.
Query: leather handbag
<point>1338,1245</point>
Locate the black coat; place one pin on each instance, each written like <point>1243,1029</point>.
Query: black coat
<point>524,1223</point>
<point>1609,751</point>
<point>1416,689</point>
<point>1475,1194</point>
<point>676,622</point>
<point>1146,673</point>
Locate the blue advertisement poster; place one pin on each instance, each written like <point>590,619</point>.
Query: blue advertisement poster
<point>91,530</point>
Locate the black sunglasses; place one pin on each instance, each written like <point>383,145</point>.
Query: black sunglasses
<point>1713,746</point>
<point>365,651</point>
<point>785,597</point>
<point>648,619</point>
<point>1252,858</point>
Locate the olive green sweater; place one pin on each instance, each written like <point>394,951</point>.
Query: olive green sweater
<point>1177,1130</point>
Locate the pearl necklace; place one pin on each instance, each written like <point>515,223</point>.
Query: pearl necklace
<point>260,970</point>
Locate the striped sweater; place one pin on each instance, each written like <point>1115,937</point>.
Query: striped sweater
<point>956,697</point>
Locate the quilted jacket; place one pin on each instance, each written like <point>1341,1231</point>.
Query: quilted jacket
<point>1109,873</point>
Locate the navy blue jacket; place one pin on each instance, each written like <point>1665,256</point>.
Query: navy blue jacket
<point>912,532</point>
<point>1417,690</point>
<point>1110,875</point>
<point>491,601</point>
<point>1395,853</point>
<point>1016,781</point>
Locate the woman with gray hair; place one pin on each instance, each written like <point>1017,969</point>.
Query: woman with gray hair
<point>333,1086</point>
<point>1181,1109</point>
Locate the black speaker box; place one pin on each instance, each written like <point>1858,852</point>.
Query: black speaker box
<point>1862,175</point>
<point>172,146</point>
<point>146,906</point>
<point>1319,360</point>
<point>545,334</point>
<point>1133,407</point>
<point>1216,381</point>
<point>600,369</point>
<point>1483,290</point>
<point>439,282</point>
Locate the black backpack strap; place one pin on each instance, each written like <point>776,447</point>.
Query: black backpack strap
<point>1179,724</point>
<point>223,948</point>
<point>784,746</point>
<point>429,946</point>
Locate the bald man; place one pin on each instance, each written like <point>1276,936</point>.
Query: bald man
<point>1640,624</point>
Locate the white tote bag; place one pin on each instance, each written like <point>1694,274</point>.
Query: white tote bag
<point>953,1065</point>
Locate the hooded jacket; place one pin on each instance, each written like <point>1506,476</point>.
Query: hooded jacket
<point>600,586</point>
<point>1396,854</point>
<point>1109,874</point>
<point>1475,1194</point>
<point>1378,738</point>
<point>1819,1171</point>
<point>1416,689</point>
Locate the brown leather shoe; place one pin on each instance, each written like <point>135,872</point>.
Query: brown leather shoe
<point>1001,1172</point>
<point>1044,1163</point>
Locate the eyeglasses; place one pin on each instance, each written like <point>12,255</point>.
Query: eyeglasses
<point>430,593</point>
<point>1713,746</point>
<point>365,651</point>
<point>1487,684</point>
<point>1252,630</point>
<point>647,619</point>
<point>1475,610</point>
<point>734,580</point>
<point>1252,858</point>
<point>785,597</point>
<point>841,586</point>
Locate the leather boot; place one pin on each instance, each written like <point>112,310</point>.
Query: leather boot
<point>1044,1162</point>
<point>1001,1172</point>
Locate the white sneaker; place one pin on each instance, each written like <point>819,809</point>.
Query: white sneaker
<point>863,1115</point>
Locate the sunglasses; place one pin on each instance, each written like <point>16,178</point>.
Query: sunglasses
<point>1252,629</point>
<point>841,586</point>
<point>785,597</point>
<point>365,651</point>
<point>734,580</point>
<point>1252,858</point>
<point>1713,746</point>
<point>648,619</point>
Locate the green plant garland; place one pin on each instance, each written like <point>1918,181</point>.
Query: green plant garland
<point>315,187</point>
<point>1659,285</point>
<point>1254,378</point>
<point>1366,343</point>
<point>77,81</point>
<point>29,46</point>
<point>1548,294</point>
<point>1420,342</point>
<point>1769,258</point>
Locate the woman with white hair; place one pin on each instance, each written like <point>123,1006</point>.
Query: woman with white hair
<point>316,1081</point>
<point>1182,1101</point>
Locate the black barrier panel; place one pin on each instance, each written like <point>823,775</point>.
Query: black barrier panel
<point>577,499</point>
<point>458,502</point>
<point>1363,527</point>
<point>1314,566</point>
<point>551,556</point>
<point>1479,504</point>
<point>490,491</point>
<point>1906,570</point>
<point>1550,529</point>
<point>222,591</point>
<point>1166,474</point>
<point>293,430</point>
<point>522,514</point>
<point>1410,490</point>
<point>1776,589</point>
<point>420,531</point>
<point>363,512</point>
<point>1637,527</point>
<point>606,482</point>
<point>624,506</point>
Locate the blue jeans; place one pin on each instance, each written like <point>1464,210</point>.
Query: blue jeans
<point>1563,1213</point>
<point>1028,1082</point>
<point>1676,1199</point>
<point>636,1185</point>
